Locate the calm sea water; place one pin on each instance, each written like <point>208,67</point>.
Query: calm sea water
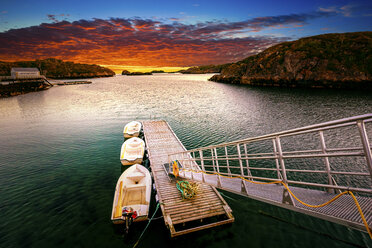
<point>59,159</point>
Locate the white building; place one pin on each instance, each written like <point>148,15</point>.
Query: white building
<point>20,73</point>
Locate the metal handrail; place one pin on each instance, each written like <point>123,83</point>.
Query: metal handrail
<point>207,158</point>
<point>312,128</point>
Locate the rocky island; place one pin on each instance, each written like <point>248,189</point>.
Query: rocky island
<point>137,73</point>
<point>324,61</point>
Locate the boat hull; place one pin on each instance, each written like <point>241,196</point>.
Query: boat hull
<point>131,162</point>
<point>132,129</point>
<point>133,190</point>
<point>132,151</point>
<point>131,135</point>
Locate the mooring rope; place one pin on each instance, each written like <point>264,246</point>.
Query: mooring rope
<point>148,223</point>
<point>187,189</point>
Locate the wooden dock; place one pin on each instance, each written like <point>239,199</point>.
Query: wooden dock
<point>208,209</point>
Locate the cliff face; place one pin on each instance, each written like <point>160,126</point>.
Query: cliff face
<point>330,61</point>
<point>54,68</point>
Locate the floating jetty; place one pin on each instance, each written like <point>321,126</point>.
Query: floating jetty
<point>208,208</point>
<point>74,82</point>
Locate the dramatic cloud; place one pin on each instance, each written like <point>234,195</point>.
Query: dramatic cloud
<point>144,42</point>
<point>55,18</point>
<point>348,10</point>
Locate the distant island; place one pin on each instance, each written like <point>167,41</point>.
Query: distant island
<point>137,73</point>
<point>157,71</point>
<point>58,69</point>
<point>323,61</point>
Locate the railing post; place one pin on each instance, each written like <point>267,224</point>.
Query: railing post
<point>366,146</point>
<point>281,160</point>
<point>287,198</point>
<point>227,161</point>
<point>202,164</point>
<point>240,160</point>
<point>191,164</point>
<point>183,160</point>
<point>191,161</point>
<point>216,156</point>
<point>213,164</point>
<point>246,161</point>
<point>326,161</point>
<point>170,163</point>
<point>276,161</point>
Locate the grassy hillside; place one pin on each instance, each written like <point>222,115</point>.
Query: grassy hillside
<point>330,61</point>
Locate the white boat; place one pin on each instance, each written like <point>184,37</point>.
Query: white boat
<point>132,129</point>
<point>132,151</point>
<point>132,195</point>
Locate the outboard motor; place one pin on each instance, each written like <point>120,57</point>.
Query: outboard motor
<point>128,215</point>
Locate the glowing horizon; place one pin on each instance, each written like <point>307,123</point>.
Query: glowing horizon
<point>119,68</point>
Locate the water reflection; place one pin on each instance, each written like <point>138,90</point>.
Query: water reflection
<point>32,105</point>
<point>61,147</point>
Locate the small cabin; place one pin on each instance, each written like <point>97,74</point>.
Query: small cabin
<point>22,73</point>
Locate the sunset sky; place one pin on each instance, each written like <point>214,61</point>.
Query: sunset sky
<point>137,34</point>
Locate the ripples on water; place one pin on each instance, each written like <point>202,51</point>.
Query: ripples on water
<point>59,158</point>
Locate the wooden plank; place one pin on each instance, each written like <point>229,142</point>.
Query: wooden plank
<point>184,220</point>
<point>199,208</point>
<point>191,204</point>
<point>177,196</point>
<point>194,229</point>
<point>178,201</point>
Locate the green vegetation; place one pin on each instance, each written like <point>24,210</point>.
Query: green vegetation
<point>324,61</point>
<point>205,69</point>
<point>55,68</point>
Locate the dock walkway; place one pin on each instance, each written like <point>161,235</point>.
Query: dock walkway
<point>207,209</point>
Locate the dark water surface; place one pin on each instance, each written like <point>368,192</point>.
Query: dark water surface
<point>59,159</point>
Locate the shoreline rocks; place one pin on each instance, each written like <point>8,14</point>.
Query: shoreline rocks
<point>15,89</point>
<point>321,84</point>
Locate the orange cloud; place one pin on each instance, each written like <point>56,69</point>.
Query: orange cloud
<point>141,42</point>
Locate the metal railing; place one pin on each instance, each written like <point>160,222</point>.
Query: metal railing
<point>334,155</point>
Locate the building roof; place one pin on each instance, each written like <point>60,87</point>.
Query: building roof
<point>17,69</point>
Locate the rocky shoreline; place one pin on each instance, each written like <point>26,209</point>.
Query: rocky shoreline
<point>15,89</point>
<point>287,83</point>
